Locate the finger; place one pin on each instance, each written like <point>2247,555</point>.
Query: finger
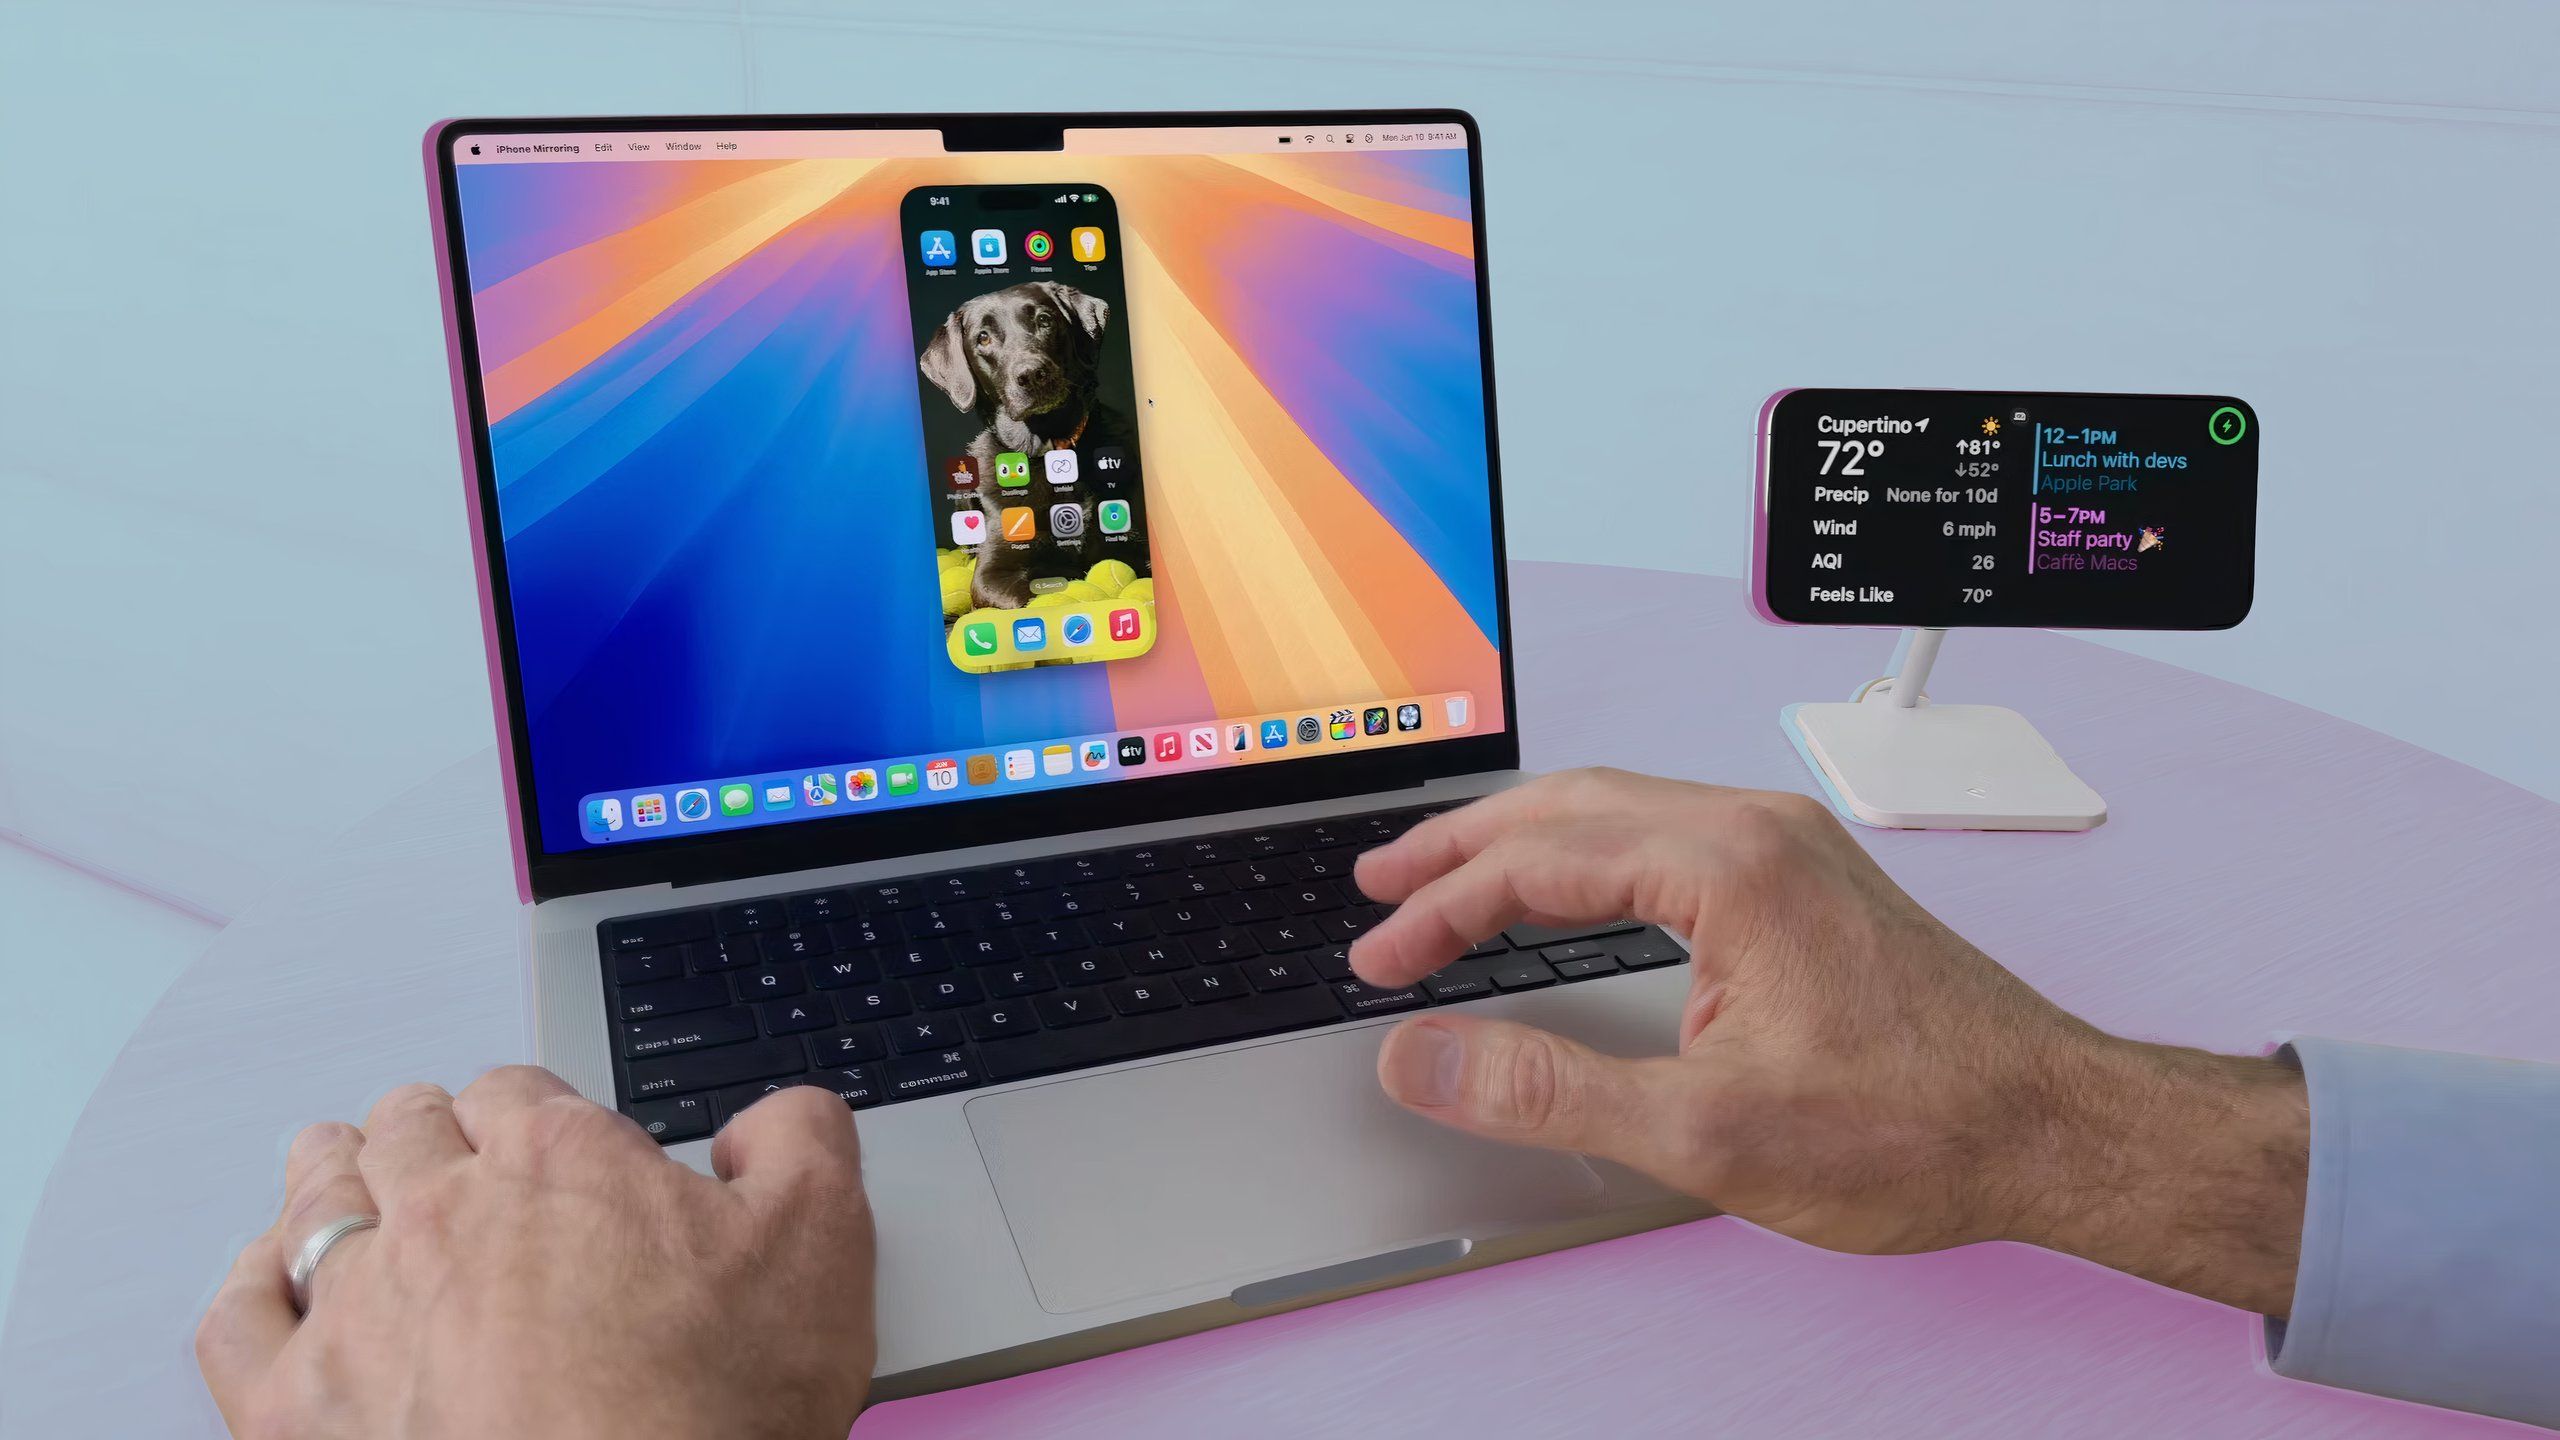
<point>1512,1083</point>
<point>1444,842</point>
<point>323,1185</point>
<point>1557,873</point>
<point>245,1328</point>
<point>411,1131</point>
<point>487,1102</point>
<point>789,1137</point>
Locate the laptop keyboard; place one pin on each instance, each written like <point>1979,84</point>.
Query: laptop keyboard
<point>900,989</point>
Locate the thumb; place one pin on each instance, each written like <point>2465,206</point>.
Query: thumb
<point>1513,1083</point>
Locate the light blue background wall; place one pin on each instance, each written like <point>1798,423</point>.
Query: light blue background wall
<point>235,597</point>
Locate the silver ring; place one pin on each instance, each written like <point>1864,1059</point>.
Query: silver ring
<point>306,1261</point>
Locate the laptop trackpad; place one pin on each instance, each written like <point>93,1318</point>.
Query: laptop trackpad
<point>1239,1167</point>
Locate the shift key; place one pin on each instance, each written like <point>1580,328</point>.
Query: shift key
<point>718,1066</point>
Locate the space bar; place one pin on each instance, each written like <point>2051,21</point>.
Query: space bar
<point>1135,1035</point>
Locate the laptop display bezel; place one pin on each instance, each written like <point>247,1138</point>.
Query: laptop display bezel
<point>925,829</point>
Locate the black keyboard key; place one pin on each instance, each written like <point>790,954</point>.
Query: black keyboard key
<point>674,1033</point>
<point>1084,900</point>
<point>984,948</point>
<point>1187,917</point>
<point>1091,968</point>
<point>1463,980</point>
<point>1014,879</point>
<point>639,967</point>
<point>947,992</point>
<point>1330,962</point>
<point>1198,885</point>
<point>1572,950</point>
<point>1586,967</point>
<point>1274,973</point>
<point>1141,997</point>
<point>734,1100</point>
<point>750,915</point>
<point>735,952</point>
<point>1532,937</point>
<point>925,957</point>
<point>1348,925</point>
<point>1008,981</point>
<point>1215,850</point>
<point>797,944</point>
<point>932,922</point>
<point>672,997</point>
<point>1001,1022</point>
<point>1146,859</point>
<point>1522,973</point>
<point>1220,947</point>
<point>1118,928</point>
<point>1321,865</point>
<point>896,895</point>
<point>797,1017</point>
<point>856,1085</point>
<point>821,907</point>
<point>863,932</point>
<point>652,932</point>
<point>1007,910</point>
<point>1072,1007</point>
<point>720,1065</point>
<point>1258,874</point>
<point>911,1077</point>
<point>918,1033</point>
<point>1247,909</point>
<point>1208,987</point>
<point>843,972</point>
<point>687,1117</point>
<point>1313,898</point>
<point>771,983</point>
<point>1077,869</point>
<point>852,1045</point>
<point>1051,939</point>
<point>1644,952</point>
<point>1161,957</point>
<point>1359,998</point>
<point>1262,844</point>
<point>967,885</point>
<point>1156,1032</point>
<point>873,1002</point>
<point>1493,946</point>
<point>1282,936</point>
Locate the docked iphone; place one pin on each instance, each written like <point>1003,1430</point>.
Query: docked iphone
<point>1023,368</point>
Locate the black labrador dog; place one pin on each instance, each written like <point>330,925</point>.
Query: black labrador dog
<point>1025,360</point>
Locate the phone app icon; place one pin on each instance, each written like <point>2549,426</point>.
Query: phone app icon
<point>938,248</point>
<point>1133,749</point>
<point>1030,635</point>
<point>1124,624</point>
<point>1112,517</point>
<point>1275,734</point>
<point>1013,469</point>
<point>863,784</point>
<point>1373,721</point>
<point>1086,242</point>
<point>961,471</point>
<point>1168,746</point>
<point>1097,755</point>
<point>978,637</point>
<point>1076,630</point>
<point>1066,522</point>
<point>968,527</point>
<point>1021,525</point>
<point>648,810</point>
<point>1340,724</point>
<point>693,805</point>
<point>982,769</point>
<point>1408,717</point>
<point>605,814</point>
<point>1038,246</point>
<point>1061,466</point>
<point>942,775</point>
<point>1017,764</point>
<point>1310,730</point>
<point>1239,738</point>
<point>902,779</point>
<point>818,789</point>
<point>777,797</point>
<point>1456,709</point>
<point>737,799</point>
<point>1056,760</point>
<point>1110,463</point>
<point>986,246</point>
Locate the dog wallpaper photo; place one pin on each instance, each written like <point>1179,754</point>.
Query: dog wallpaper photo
<point>717,429</point>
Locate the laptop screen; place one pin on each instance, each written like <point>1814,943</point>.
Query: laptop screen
<point>835,474</point>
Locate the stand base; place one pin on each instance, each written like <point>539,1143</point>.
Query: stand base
<point>1940,767</point>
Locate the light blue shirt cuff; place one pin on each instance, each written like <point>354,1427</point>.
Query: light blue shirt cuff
<point>2430,1231</point>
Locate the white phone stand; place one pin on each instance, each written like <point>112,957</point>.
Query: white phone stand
<point>1889,757</point>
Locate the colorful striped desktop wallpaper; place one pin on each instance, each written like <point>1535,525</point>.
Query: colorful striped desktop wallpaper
<point>702,403</point>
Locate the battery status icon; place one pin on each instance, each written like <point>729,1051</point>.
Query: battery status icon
<point>1090,199</point>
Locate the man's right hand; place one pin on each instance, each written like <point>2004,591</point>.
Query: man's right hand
<point>1850,1072</point>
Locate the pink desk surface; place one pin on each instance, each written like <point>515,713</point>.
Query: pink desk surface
<point>2268,869</point>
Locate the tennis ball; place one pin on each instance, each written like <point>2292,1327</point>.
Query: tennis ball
<point>1082,590</point>
<point>1050,601</point>
<point>955,590</point>
<point>950,559</point>
<point>1110,576</point>
<point>1138,590</point>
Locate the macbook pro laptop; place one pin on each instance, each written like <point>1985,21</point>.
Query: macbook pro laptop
<point>960,593</point>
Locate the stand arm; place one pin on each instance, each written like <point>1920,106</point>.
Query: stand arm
<point>1919,652</point>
